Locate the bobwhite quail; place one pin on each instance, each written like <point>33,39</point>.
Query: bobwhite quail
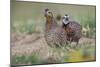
<point>55,35</point>
<point>72,28</point>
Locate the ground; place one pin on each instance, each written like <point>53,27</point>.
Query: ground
<point>27,44</point>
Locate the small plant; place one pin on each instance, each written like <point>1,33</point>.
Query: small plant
<point>23,60</point>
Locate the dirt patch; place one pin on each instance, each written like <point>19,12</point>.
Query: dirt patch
<point>23,44</point>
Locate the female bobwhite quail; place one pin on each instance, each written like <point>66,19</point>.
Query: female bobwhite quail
<point>72,28</point>
<point>55,35</point>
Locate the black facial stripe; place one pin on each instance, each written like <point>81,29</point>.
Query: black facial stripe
<point>66,18</point>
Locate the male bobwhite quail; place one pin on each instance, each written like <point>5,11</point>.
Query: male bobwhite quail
<point>73,29</point>
<point>55,35</point>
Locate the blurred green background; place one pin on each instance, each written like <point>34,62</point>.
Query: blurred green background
<point>29,16</point>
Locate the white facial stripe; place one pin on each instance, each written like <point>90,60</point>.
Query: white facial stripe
<point>48,12</point>
<point>65,22</point>
<point>66,16</point>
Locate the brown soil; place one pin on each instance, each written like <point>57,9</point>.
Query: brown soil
<point>24,44</point>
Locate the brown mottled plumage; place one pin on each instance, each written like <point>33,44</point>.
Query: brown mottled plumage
<point>55,35</point>
<point>73,29</point>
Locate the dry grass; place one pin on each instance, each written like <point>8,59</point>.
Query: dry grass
<point>35,44</point>
<point>28,45</point>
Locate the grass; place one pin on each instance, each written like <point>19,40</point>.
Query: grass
<point>29,27</point>
<point>88,21</point>
<point>29,18</point>
<point>25,19</point>
<point>86,52</point>
<point>23,59</point>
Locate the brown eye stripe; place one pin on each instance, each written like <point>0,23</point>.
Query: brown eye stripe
<point>49,12</point>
